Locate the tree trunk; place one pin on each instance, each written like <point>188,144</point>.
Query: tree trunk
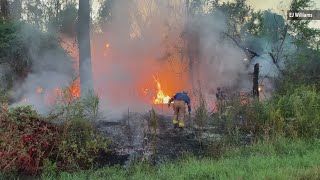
<point>57,9</point>
<point>4,9</point>
<point>255,90</point>
<point>85,70</point>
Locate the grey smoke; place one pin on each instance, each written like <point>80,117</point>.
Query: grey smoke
<point>51,67</point>
<point>139,43</point>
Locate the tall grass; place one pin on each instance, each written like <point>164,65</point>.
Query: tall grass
<point>294,114</point>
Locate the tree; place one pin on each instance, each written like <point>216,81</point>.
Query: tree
<point>84,47</point>
<point>16,9</point>
<point>4,6</point>
<point>105,13</point>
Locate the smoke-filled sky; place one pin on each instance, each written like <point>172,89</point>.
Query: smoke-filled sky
<point>127,65</point>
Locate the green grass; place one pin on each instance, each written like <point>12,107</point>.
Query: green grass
<point>281,159</point>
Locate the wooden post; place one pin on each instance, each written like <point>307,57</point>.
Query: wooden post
<point>255,90</point>
<point>128,117</point>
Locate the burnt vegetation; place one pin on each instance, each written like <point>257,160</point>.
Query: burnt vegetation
<point>75,136</point>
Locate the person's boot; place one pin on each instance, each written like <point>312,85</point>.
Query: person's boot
<point>180,129</point>
<point>175,126</point>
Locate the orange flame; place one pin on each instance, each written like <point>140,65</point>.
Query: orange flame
<point>161,97</point>
<point>75,89</point>
<point>39,90</point>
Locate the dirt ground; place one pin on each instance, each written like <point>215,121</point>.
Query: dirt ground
<point>136,137</point>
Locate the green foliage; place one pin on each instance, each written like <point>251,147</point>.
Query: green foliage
<point>67,19</point>
<point>302,70</point>
<point>294,114</point>
<point>237,13</point>
<point>305,36</point>
<point>283,159</point>
<point>30,144</point>
<point>70,107</point>
<point>80,143</point>
<point>50,168</point>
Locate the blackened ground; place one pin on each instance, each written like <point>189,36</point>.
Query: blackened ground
<point>135,137</point>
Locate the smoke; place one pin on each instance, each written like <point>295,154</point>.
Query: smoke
<point>147,39</point>
<point>51,68</point>
<point>138,52</point>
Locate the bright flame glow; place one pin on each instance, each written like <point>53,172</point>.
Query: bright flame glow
<point>39,90</point>
<point>161,97</point>
<point>75,89</point>
<point>259,88</point>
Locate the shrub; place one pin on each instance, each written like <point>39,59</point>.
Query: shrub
<point>298,113</point>
<point>80,143</point>
<point>294,114</point>
<point>26,140</point>
<point>30,143</point>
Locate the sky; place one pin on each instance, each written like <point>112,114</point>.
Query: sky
<point>279,6</point>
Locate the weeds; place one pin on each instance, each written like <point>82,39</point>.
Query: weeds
<point>80,143</point>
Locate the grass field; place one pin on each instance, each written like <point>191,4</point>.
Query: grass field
<point>281,159</point>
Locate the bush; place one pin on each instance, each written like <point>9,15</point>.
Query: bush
<point>26,140</point>
<point>80,143</point>
<point>297,113</point>
<point>30,143</point>
<point>294,114</point>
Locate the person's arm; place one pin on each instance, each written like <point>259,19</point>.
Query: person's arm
<point>172,99</point>
<point>189,105</point>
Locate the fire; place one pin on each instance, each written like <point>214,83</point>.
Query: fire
<point>161,97</point>
<point>259,88</point>
<point>39,90</point>
<point>107,45</point>
<point>145,90</point>
<point>75,89</point>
